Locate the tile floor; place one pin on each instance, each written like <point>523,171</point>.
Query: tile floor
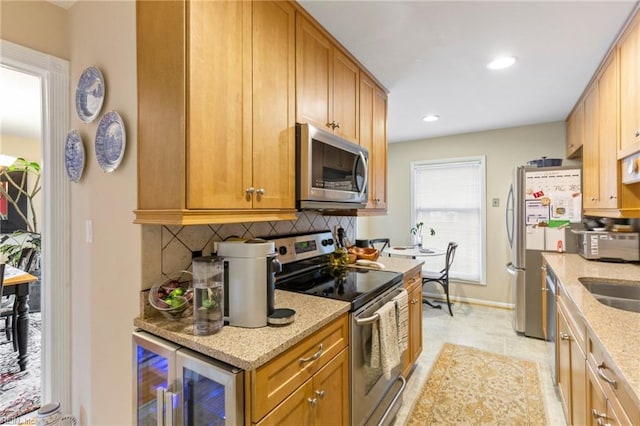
<point>484,328</point>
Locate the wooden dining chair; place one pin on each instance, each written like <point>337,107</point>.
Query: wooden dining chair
<point>441,277</point>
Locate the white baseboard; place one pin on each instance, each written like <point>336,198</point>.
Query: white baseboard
<point>442,298</point>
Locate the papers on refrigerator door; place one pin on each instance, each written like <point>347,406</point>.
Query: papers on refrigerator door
<point>553,195</point>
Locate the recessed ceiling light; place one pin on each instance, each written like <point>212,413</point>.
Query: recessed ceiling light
<point>501,63</point>
<point>431,117</point>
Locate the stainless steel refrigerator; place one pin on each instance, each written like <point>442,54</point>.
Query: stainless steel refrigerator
<point>542,205</point>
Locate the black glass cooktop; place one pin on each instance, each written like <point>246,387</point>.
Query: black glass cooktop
<point>355,285</point>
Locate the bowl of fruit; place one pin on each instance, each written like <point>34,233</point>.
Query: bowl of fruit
<point>172,296</point>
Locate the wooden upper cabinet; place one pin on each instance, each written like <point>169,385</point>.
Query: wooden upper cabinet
<point>629,50</point>
<point>373,136</point>
<point>327,82</point>
<point>216,96</point>
<point>273,104</point>
<point>575,123</point>
<point>600,163</point>
<point>590,148</point>
<point>608,135</point>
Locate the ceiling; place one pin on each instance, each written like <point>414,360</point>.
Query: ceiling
<point>432,56</point>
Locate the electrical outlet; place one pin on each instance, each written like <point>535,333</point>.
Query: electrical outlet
<point>495,202</point>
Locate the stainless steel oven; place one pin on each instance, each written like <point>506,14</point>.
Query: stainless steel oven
<point>331,172</point>
<point>375,399</point>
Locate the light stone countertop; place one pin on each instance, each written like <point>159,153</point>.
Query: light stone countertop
<point>617,330</point>
<point>249,348</point>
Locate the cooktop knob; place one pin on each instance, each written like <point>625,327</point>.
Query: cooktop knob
<point>282,250</point>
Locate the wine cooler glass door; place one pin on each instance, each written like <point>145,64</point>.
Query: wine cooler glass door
<point>212,392</point>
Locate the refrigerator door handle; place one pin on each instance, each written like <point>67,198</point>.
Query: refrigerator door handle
<point>509,208</point>
<point>512,269</point>
<point>169,402</point>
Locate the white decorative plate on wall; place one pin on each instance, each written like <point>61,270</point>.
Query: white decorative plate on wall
<point>89,94</point>
<point>74,156</point>
<point>110,141</point>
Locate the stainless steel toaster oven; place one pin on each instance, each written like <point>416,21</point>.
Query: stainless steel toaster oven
<point>609,246</point>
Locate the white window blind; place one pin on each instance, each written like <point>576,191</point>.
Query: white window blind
<point>448,196</point>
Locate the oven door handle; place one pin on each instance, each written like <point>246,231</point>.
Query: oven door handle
<point>368,320</point>
<point>395,399</point>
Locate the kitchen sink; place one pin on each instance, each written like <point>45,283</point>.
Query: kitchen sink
<point>623,295</point>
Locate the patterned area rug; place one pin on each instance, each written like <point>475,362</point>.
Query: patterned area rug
<point>470,386</point>
<point>20,390</point>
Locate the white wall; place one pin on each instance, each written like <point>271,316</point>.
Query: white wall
<point>503,149</point>
<point>105,273</point>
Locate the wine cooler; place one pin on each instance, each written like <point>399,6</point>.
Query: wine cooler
<point>174,386</point>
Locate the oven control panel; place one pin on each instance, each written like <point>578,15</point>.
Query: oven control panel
<point>295,247</point>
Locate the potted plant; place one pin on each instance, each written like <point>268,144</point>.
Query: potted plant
<point>22,248</point>
<point>416,234</point>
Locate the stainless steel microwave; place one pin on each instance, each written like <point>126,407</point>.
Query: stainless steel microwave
<point>331,173</point>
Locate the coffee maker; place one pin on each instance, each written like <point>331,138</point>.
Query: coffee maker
<point>249,281</point>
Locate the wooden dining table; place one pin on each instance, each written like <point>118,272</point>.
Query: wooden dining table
<point>16,281</point>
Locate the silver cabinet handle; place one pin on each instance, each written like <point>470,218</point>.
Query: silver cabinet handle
<point>604,377</point>
<point>612,197</point>
<point>314,356</point>
<point>320,393</point>
<point>260,191</point>
<point>564,336</point>
<point>312,401</point>
<point>601,422</point>
<point>250,190</point>
<point>597,415</point>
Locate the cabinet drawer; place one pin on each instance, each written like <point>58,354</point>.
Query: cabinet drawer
<point>277,379</point>
<point>412,279</point>
<point>574,319</point>
<point>607,373</point>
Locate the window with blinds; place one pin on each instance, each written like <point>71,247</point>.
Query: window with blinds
<point>449,196</point>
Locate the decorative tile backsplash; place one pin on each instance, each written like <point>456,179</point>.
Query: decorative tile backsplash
<point>168,249</point>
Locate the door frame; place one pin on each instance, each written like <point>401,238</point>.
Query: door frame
<point>56,238</point>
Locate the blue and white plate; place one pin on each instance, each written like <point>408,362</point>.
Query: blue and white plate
<point>110,141</point>
<point>74,156</point>
<point>89,94</point>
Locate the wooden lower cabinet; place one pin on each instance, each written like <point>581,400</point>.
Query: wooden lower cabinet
<point>307,384</point>
<point>413,285</point>
<point>571,364</point>
<point>321,400</point>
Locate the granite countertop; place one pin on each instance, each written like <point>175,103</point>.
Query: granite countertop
<point>249,348</point>
<point>617,330</point>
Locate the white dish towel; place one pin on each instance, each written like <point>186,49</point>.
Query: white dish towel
<point>402,319</point>
<point>384,340</point>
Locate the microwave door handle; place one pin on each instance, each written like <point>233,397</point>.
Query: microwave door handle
<point>366,172</point>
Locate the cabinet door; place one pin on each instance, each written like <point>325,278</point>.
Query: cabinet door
<point>596,401</point>
<point>219,71</point>
<point>273,105</point>
<point>563,348</point>
<point>295,410</point>
<point>590,151</point>
<point>346,85</point>
<point>415,323</point>
<point>574,130</point>
<point>608,135</point>
<point>331,392</point>
<point>313,74</point>
<point>578,384</point>
<point>378,163</point>
<point>630,91</point>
